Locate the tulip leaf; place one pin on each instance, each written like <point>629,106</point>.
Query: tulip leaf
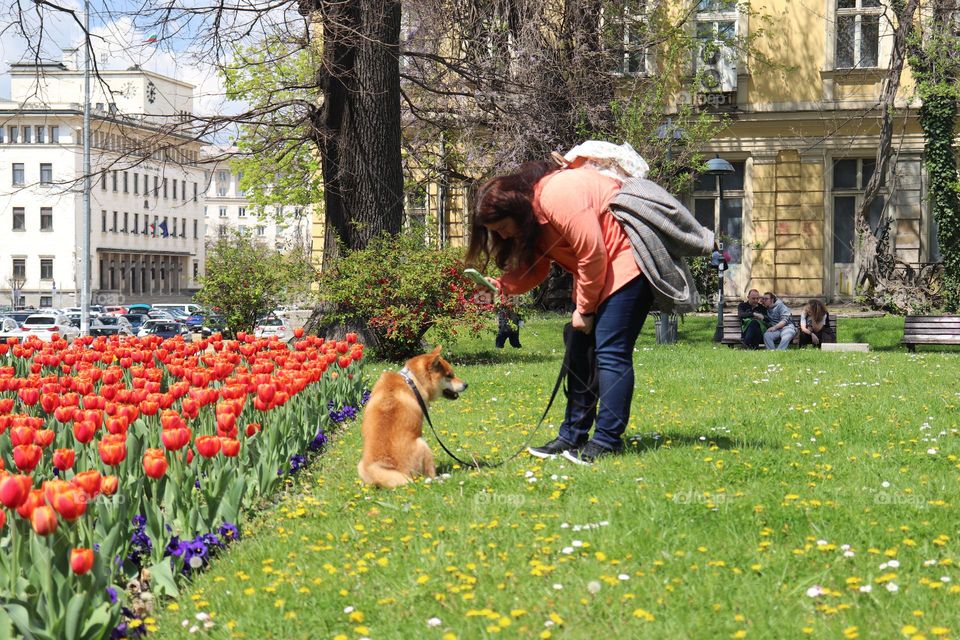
<point>161,575</point>
<point>98,623</point>
<point>18,613</point>
<point>74,616</point>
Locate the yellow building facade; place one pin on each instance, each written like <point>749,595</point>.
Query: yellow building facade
<point>802,135</point>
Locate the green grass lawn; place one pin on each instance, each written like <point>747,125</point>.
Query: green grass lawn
<point>763,495</point>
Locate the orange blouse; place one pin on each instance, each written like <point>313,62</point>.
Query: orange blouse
<point>581,235</point>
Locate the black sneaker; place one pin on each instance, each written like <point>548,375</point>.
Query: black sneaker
<point>551,449</point>
<point>587,454</point>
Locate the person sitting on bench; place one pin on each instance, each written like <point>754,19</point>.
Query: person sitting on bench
<point>781,328</point>
<point>753,320</point>
<point>815,324</point>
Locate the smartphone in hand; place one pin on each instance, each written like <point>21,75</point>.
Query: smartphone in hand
<point>477,277</point>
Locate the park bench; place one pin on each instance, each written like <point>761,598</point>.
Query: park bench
<point>936,330</point>
<point>731,329</point>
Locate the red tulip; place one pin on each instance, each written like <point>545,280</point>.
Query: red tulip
<point>81,560</point>
<point>22,435</point>
<point>14,490</point>
<point>176,439</point>
<point>27,456</point>
<point>6,405</point>
<point>253,428</point>
<point>154,463</point>
<point>108,485</point>
<point>49,402</point>
<point>113,449</point>
<point>351,338</point>
<point>63,459</point>
<point>64,414</point>
<point>69,501</point>
<point>117,425</point>
<point>84,431</point>
<point>149,408</point>
<point>44,520</point>
<point>230,446</point>
<point>207,446</point>
<point>34,500</point>
<point>29,397</point>
<point>344,361</point>
<point>226,424</point>
<point>89,481</point>
<point>298,333</point>
<point>43,438</point>
<point>3,518</point>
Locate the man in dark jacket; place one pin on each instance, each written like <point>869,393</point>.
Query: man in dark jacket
<point>753,320</point>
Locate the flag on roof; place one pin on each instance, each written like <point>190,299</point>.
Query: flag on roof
<point>163,229</point>
<point>151,39</point>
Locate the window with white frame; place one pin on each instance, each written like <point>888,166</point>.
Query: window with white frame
<point>261,230</point>
<point>18,176</point>
<point>716,25</point>
<point>46,218</point>
<point>223,212</point>
<point>19,219</point>
<point>46,268</point>
<point>41,134</point>
<point>223,183</point>
<point>722,211</point>
<point>628,36</point>
<point>850,178</point>
<point>46,173</point>
<point>858,33</point>
<point>242,212</point>
<point>240,190</point>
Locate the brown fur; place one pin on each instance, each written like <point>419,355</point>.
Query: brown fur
<point>394,451</point>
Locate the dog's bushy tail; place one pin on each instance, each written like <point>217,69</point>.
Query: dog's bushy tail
<point>377,474</point>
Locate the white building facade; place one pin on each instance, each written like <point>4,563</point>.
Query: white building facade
<point>147,193</point>
<point>227,207</point>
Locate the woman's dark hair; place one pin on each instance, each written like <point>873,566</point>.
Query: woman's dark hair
<point>507,196</point>
<point>816,311</point>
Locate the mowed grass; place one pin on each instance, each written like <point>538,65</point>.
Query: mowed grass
<point>764,495</point>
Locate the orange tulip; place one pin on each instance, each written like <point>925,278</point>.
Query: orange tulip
<point>154,463</point>
<point>108,485</point>
<point>230,446</point>
<point>207,446</point>
<point>44,520</point>
<point>27,456</point>
<point>176,439</point>
<point>43,438</point>
<point>81,560</point>
<point>89,481</point>
<point>113,449</point>
<point>63,459</point>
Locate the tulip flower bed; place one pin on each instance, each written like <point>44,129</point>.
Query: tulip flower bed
<point>128,459</point>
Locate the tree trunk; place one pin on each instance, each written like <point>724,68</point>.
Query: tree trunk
<point>358,127</point>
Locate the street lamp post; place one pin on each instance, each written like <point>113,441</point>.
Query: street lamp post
<point>718,167</point>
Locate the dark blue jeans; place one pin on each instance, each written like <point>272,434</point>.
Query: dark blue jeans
<point>617,324</point>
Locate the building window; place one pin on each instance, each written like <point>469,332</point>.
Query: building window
<point>41,135</point>
<point>156,185</point>
<point>103,220</point>
<point>19,178</point>
<point>850,177</point>
<point>20,268</point>
<point>183,190</point>
<point>222,231</point>
<point>126,182</point>
<point>164,187</point>
<point>46,268</point>
<point>103,180</point>
<point>1,136</point>
<point>54,135</point>
<point>241,212</point>
<point>723,215</point>
<point>858,33</point>
<point>46,302</point>
<point>194,191</point>
<point>126,220</point>
<point>240,190</point>
<point>14,134</point>
<point>136,183</point>
<point>27,136</point>
<point>136,223</point>
<point>261,230</point>
<point>113,227</point>
<point>716,37</point>
<point>174,189</point>
<point>196,269</point>
<point>173,232</point>
<point>195,229</point>
<point>46,219</point>
<point>46,173</point>
<point>19,219</point>
<point>114,181</point>
<point>146,224</point>
<point>223,183</point>
<point>183,227</point>
<point>223,212</point>
<point>627,37</point>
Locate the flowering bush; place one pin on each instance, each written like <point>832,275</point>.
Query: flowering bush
<point>120,455</point>
<point>399,289</point>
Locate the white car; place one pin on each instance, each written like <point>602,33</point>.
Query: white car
<point>47,326</point>
<point>273,327</point>
<point>9,329</point>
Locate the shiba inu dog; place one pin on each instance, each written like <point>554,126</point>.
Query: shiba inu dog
<point>394,451</point>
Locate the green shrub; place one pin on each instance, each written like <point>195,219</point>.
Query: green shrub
<point>397,289</point>
<point>706,277</point>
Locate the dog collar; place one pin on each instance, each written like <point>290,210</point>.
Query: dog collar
<point>408,376</point>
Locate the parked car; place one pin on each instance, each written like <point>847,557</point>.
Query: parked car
<point>213,324</point>
<point>273,327</point>
<point>159,315</point>
<point>46,326</point>
<point>9,328</point>
<point>114,311</point>
<point>21,314</point>
<point>136,321</point>
<point>186,308</point>
<point>139,307</point>
<point>164,329</point>
<point>108,325</point>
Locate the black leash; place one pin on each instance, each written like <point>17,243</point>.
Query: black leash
<point>480,463</point>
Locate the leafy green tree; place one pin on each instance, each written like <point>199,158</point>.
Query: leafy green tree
<point>245,279</point>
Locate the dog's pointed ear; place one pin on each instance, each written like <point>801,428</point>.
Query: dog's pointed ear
<point>435,358</point>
